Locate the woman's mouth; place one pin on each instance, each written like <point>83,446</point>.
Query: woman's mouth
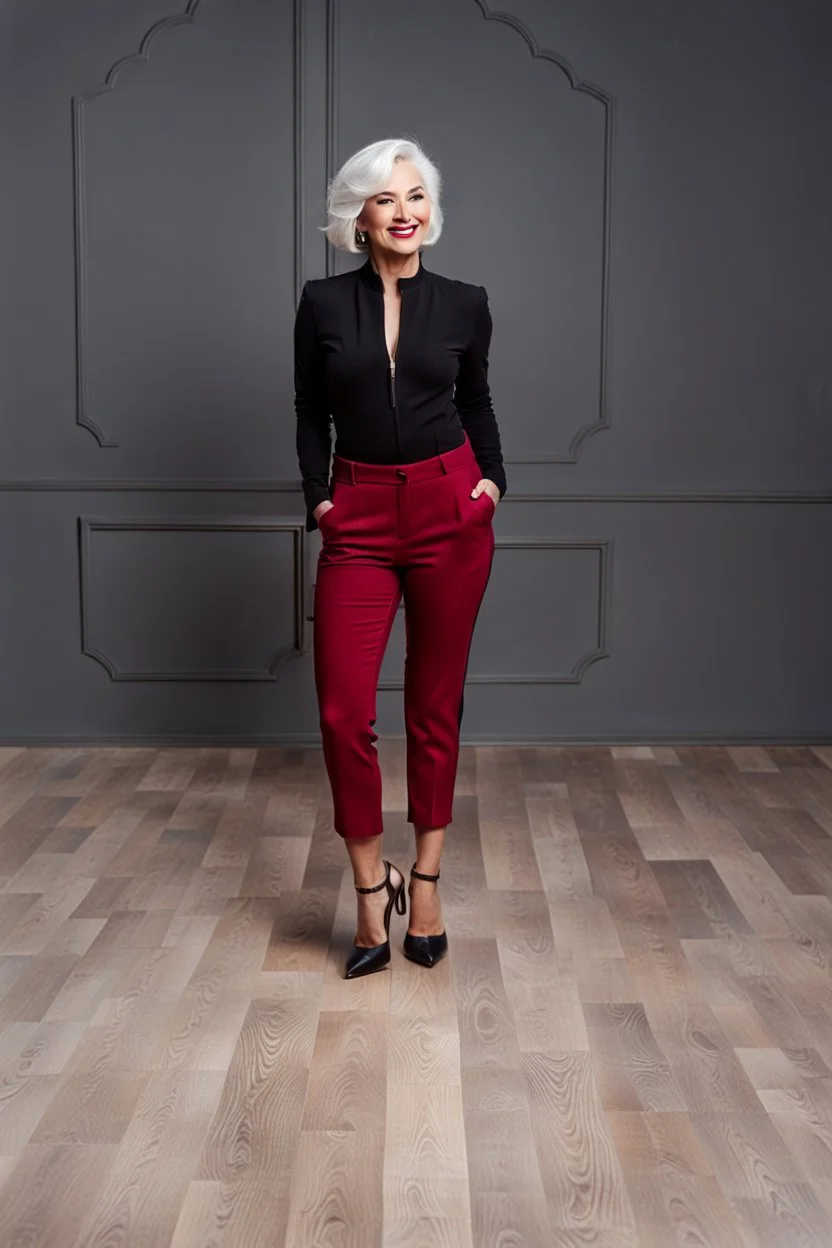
<point>406,231</point>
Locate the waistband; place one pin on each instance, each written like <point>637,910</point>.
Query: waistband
<point>397,474</point>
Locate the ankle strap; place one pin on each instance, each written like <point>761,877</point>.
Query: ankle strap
<point>420,875</point>
<point>375,887</point>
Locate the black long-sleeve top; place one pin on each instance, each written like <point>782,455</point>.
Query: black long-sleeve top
<point>436,392</point>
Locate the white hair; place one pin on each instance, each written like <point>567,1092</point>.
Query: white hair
<point>365,174</point>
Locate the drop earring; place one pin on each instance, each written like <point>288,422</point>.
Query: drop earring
<point>360,237</point>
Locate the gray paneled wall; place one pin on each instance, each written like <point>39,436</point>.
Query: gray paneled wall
<point>646,197</point>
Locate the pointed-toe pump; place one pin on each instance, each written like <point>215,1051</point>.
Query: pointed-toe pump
<point>426,950</point>
<point>363,960</point>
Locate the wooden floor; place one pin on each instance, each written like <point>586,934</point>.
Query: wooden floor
<point>630,1042</point>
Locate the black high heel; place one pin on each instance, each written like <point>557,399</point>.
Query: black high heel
<point>365,959</point>
<point>426,950</point>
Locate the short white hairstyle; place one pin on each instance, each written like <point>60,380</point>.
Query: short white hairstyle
<point>365,174</point>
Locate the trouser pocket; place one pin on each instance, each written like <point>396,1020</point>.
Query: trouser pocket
<point>473,510</point>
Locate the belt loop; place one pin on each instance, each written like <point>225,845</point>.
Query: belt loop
<point>443,457</point>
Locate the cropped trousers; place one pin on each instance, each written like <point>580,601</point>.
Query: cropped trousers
<point>408,531</point>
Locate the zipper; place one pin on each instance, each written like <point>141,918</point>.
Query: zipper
<point>391,377</point>
<point>397,431</point>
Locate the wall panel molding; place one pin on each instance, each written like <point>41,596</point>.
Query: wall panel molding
<point>578,85</point>
<point>299,141</point>
<point>88,525</point>
<point>79,102</point>
<point>331,136</point>
<point>266,486</point>
<point>599,647</point>
<point>608,105</point>
<point>83,417</point>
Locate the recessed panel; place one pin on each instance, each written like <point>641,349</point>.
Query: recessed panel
<point>543,617</point>
<point>189,602</point>
<point>186,246</point>
<point>524,160</point>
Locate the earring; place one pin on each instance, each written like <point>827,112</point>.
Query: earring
<point>361,237</point>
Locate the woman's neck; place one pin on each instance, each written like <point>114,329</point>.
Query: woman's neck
<point>391,268</point>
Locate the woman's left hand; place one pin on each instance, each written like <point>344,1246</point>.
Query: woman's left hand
<point>490,489</point>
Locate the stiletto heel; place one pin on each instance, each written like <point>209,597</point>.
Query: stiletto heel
<point>365,959</point>
<point>426,950</point>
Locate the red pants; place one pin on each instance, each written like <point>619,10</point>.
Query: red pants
<point>410,530</point>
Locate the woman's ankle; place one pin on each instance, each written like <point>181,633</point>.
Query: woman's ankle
<point>429,844</point>
<point>367,861</point>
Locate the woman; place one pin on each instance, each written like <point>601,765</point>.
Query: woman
<point>397,356</point>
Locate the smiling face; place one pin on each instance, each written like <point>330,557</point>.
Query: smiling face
<point>396,219</point>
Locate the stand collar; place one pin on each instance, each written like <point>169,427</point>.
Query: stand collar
<point>372,280</point>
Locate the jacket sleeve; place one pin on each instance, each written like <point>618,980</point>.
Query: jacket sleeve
<point>313,437</point>
<point>472,396</point>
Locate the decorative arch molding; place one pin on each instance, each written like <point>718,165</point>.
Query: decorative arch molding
<point>83,417</point>
<point>539,53</point>
<point>577,84</point>
<point>143,54</point>
<point>79,102</point>
<point>607,103</point>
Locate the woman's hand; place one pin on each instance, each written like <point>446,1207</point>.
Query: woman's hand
<point>321,508</point>
<point>487,486</point>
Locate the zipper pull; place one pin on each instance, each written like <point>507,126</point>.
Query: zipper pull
<point>393,383</point>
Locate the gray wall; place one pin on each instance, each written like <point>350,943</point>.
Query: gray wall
<point>645,191</point>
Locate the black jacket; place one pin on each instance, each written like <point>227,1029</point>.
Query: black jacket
<point>437,391</point>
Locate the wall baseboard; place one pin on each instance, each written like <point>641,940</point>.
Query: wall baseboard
<point>671,737</point>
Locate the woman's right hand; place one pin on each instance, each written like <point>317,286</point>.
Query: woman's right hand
<point>321,508</point>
